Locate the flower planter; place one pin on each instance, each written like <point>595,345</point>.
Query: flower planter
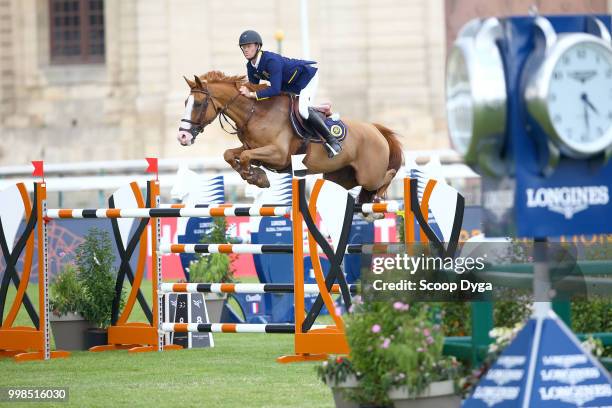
<point>69,331</point>
<point>214,306</point>
<point>439,394</point>
<point>96,337</point>
<point>339,389</point>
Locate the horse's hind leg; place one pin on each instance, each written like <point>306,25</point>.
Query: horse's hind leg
<point>365,196</point>
<point>386,182</point>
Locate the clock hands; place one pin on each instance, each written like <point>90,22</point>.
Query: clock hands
<point>586,115</point>
<point>588,103</point>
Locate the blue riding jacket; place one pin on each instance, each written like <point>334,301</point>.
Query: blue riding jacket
<point>284,74</point>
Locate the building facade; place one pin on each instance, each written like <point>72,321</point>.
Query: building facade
<point>103,79</point>
<point>378,62</point>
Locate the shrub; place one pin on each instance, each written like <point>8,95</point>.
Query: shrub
<point>215,268</point>
<point>67,295</point>
<point>94,261</point>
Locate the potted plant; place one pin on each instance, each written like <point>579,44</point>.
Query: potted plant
<point>94,260</point>
<point>396,358</point>
<point>66,303</point>
<point>213,268</point>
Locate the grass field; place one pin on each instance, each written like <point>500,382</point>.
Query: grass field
<point>240,371</point>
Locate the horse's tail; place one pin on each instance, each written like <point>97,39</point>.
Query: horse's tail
<point>396,157</point>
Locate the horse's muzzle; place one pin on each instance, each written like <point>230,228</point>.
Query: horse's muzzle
<point>185,138</point>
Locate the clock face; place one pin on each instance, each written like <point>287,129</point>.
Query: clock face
<point>459,103</point>
<point>580,97</point>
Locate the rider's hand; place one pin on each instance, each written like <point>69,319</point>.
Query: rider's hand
<point>245,91</point>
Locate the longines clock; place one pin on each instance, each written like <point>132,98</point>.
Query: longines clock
<point>568,92</point>
<point>476,94</point>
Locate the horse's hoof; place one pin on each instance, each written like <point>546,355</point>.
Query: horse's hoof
<point>260,178</point>
<point>373,217</point>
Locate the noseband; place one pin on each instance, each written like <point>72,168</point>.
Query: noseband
<point>197,127</point>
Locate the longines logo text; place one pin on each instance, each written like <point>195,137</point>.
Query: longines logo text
<point>567,200</point>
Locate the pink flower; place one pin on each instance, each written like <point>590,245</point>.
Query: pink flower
<point>401,306</point>
<point>429,340</point>
<point>376,328</point>
<point>426,332</point>
<point>386,343</point>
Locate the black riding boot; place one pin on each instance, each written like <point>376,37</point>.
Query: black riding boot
<point>316,120</point>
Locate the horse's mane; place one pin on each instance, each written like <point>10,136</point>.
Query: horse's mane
<point>238,80</point>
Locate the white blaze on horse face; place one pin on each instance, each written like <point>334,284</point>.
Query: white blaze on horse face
<point>184,137</point>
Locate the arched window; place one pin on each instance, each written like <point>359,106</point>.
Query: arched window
<point>77,31</point>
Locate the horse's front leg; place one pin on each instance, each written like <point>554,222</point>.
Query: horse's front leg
<point>231,156</point>
<point>271,155</point>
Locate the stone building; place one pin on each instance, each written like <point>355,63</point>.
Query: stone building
<point>102,79</point>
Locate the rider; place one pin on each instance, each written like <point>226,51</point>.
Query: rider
<point>287,75</point>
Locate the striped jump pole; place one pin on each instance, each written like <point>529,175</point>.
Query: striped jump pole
<point>278,328</point>
<point>273,249</point>
<point>255,288</point>
<point>366,208</point>
<point>188,212</point>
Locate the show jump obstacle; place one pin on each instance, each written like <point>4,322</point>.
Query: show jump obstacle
<point>24,342</point>
<point>312,342</point>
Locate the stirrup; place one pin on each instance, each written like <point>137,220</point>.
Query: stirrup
<point>331,152</point>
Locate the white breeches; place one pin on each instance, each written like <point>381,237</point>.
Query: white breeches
<point>308,94</point>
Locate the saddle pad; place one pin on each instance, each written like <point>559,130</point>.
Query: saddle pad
<point>305,132</point>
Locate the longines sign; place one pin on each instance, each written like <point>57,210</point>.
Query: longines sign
<point>567,200</point>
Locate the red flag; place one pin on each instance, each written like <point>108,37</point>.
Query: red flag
<point>152,165</point>
<point>152,161</point>
<point>39,170</point>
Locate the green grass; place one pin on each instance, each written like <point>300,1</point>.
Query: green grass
<point>240,371</point>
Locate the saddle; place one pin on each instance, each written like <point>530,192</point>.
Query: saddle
<point>305,132</point>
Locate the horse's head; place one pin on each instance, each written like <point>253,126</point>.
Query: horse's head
<point>200,110</point>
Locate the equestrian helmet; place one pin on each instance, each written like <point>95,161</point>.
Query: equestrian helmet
<point>250,37</point>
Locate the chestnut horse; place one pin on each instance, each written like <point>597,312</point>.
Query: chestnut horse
<point>371,153</point>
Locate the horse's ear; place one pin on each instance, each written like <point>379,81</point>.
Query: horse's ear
<point>198,82</point>
<point>190,83</point>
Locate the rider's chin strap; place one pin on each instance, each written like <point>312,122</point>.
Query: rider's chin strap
<point>256,54</point>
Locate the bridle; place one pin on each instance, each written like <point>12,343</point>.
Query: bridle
<point>198,127</point>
